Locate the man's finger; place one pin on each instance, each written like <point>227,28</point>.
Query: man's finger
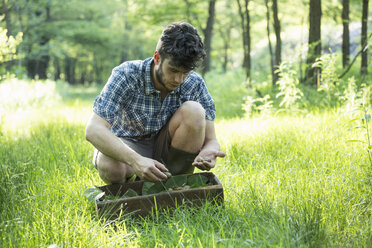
<point>202,166</point>
<point>158,171</point>
<point>160,166</point>
<point>220,154</point>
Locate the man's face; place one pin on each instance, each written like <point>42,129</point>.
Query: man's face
<point>170,76</point>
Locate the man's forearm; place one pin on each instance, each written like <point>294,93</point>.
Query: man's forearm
<point>211,145</point>
<point>110,145</point>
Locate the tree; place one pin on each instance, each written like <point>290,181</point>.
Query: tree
<point>314,43</point>
<point>269,42</point>
<point>224,25</point>
<point>364,62</point>
<point>278,46</point>
<point>345,33</point>
<point>208,31</point>
<point>274,60</point>
<point>245,24</point>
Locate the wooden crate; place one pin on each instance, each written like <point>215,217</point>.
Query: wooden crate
<point>144,205</point>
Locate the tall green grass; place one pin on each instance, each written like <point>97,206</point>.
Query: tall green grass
<point>289,181</point>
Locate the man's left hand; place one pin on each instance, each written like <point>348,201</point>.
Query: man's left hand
<point>206,159</point>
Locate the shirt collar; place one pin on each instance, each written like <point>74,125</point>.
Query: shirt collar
<point>149,85</point>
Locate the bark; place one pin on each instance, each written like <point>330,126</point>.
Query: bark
<point>83,77</point>
<point>70,70</point>
<point>208,32</point>
<point>278,46</point>
<point>364,63</point>
<point>245,23</point>
<point>57,67</point>
<point>345,33</point>
<point>314,44</point>
<point>269,41</point>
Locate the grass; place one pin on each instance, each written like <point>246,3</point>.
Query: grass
<point>289,181</point>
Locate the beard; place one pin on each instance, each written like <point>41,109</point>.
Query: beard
<point>160,76</point>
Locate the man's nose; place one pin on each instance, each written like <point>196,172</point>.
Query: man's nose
<point>180,77</point>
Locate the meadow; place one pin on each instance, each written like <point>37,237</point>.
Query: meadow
<point>290,180</point>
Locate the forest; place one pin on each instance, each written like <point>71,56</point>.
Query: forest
<point>291,83</point>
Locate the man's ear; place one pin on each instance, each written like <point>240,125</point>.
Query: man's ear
<point>156,57</point>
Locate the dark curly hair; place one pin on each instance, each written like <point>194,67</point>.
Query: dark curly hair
<point>181,43</point>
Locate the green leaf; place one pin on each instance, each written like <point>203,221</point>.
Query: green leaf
<point>93,193</point>
<point>146,186</point>
<point>176,181</point>
<point>197,180</point>
<point>90,191</point>
<point>130,193</point>
<point>156,188</point>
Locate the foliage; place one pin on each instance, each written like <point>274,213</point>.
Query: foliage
<point>178,182</point>
<point>8,45</point>
<point>228,91</point>
<point>288,87</point>
<point>262,105</point>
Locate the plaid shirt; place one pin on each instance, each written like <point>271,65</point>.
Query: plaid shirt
<point>133,107</point>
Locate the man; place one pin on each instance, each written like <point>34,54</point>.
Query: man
<point>156,116</point>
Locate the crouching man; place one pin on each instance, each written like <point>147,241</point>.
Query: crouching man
<point>156,116</point>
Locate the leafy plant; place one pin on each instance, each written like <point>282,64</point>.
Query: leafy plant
<point>197,181</point>
<point>93,193</point>
<point>328,79</point>
<point>364,120</point>
<point>178,182</point>
<point>360,102</point>
<point>149,188</point>
<point>288,89</point>
<point>262,105</point>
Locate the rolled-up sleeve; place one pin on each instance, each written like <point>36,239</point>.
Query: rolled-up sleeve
<point>207,102</point>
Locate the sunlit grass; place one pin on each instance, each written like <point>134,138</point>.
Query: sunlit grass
<point>289,181</point>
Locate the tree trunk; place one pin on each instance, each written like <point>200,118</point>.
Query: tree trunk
<point>364,64</point>
<point>315,45</point>
<point>70,70</point>
<point>269,41</point>
<point>345,33</point>
<point>83,77</point>
<point>245,22</point>
<point>208,36</point>
<point>7,18</point>
<point>278,47</point>
<point>57,67</point>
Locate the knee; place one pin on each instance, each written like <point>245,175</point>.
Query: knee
<point>111,172</point>
<point>193,114</point>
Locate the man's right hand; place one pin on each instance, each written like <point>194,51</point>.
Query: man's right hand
<point>149,169</point>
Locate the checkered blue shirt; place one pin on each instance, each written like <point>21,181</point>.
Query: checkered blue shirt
<point>133,107</point>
